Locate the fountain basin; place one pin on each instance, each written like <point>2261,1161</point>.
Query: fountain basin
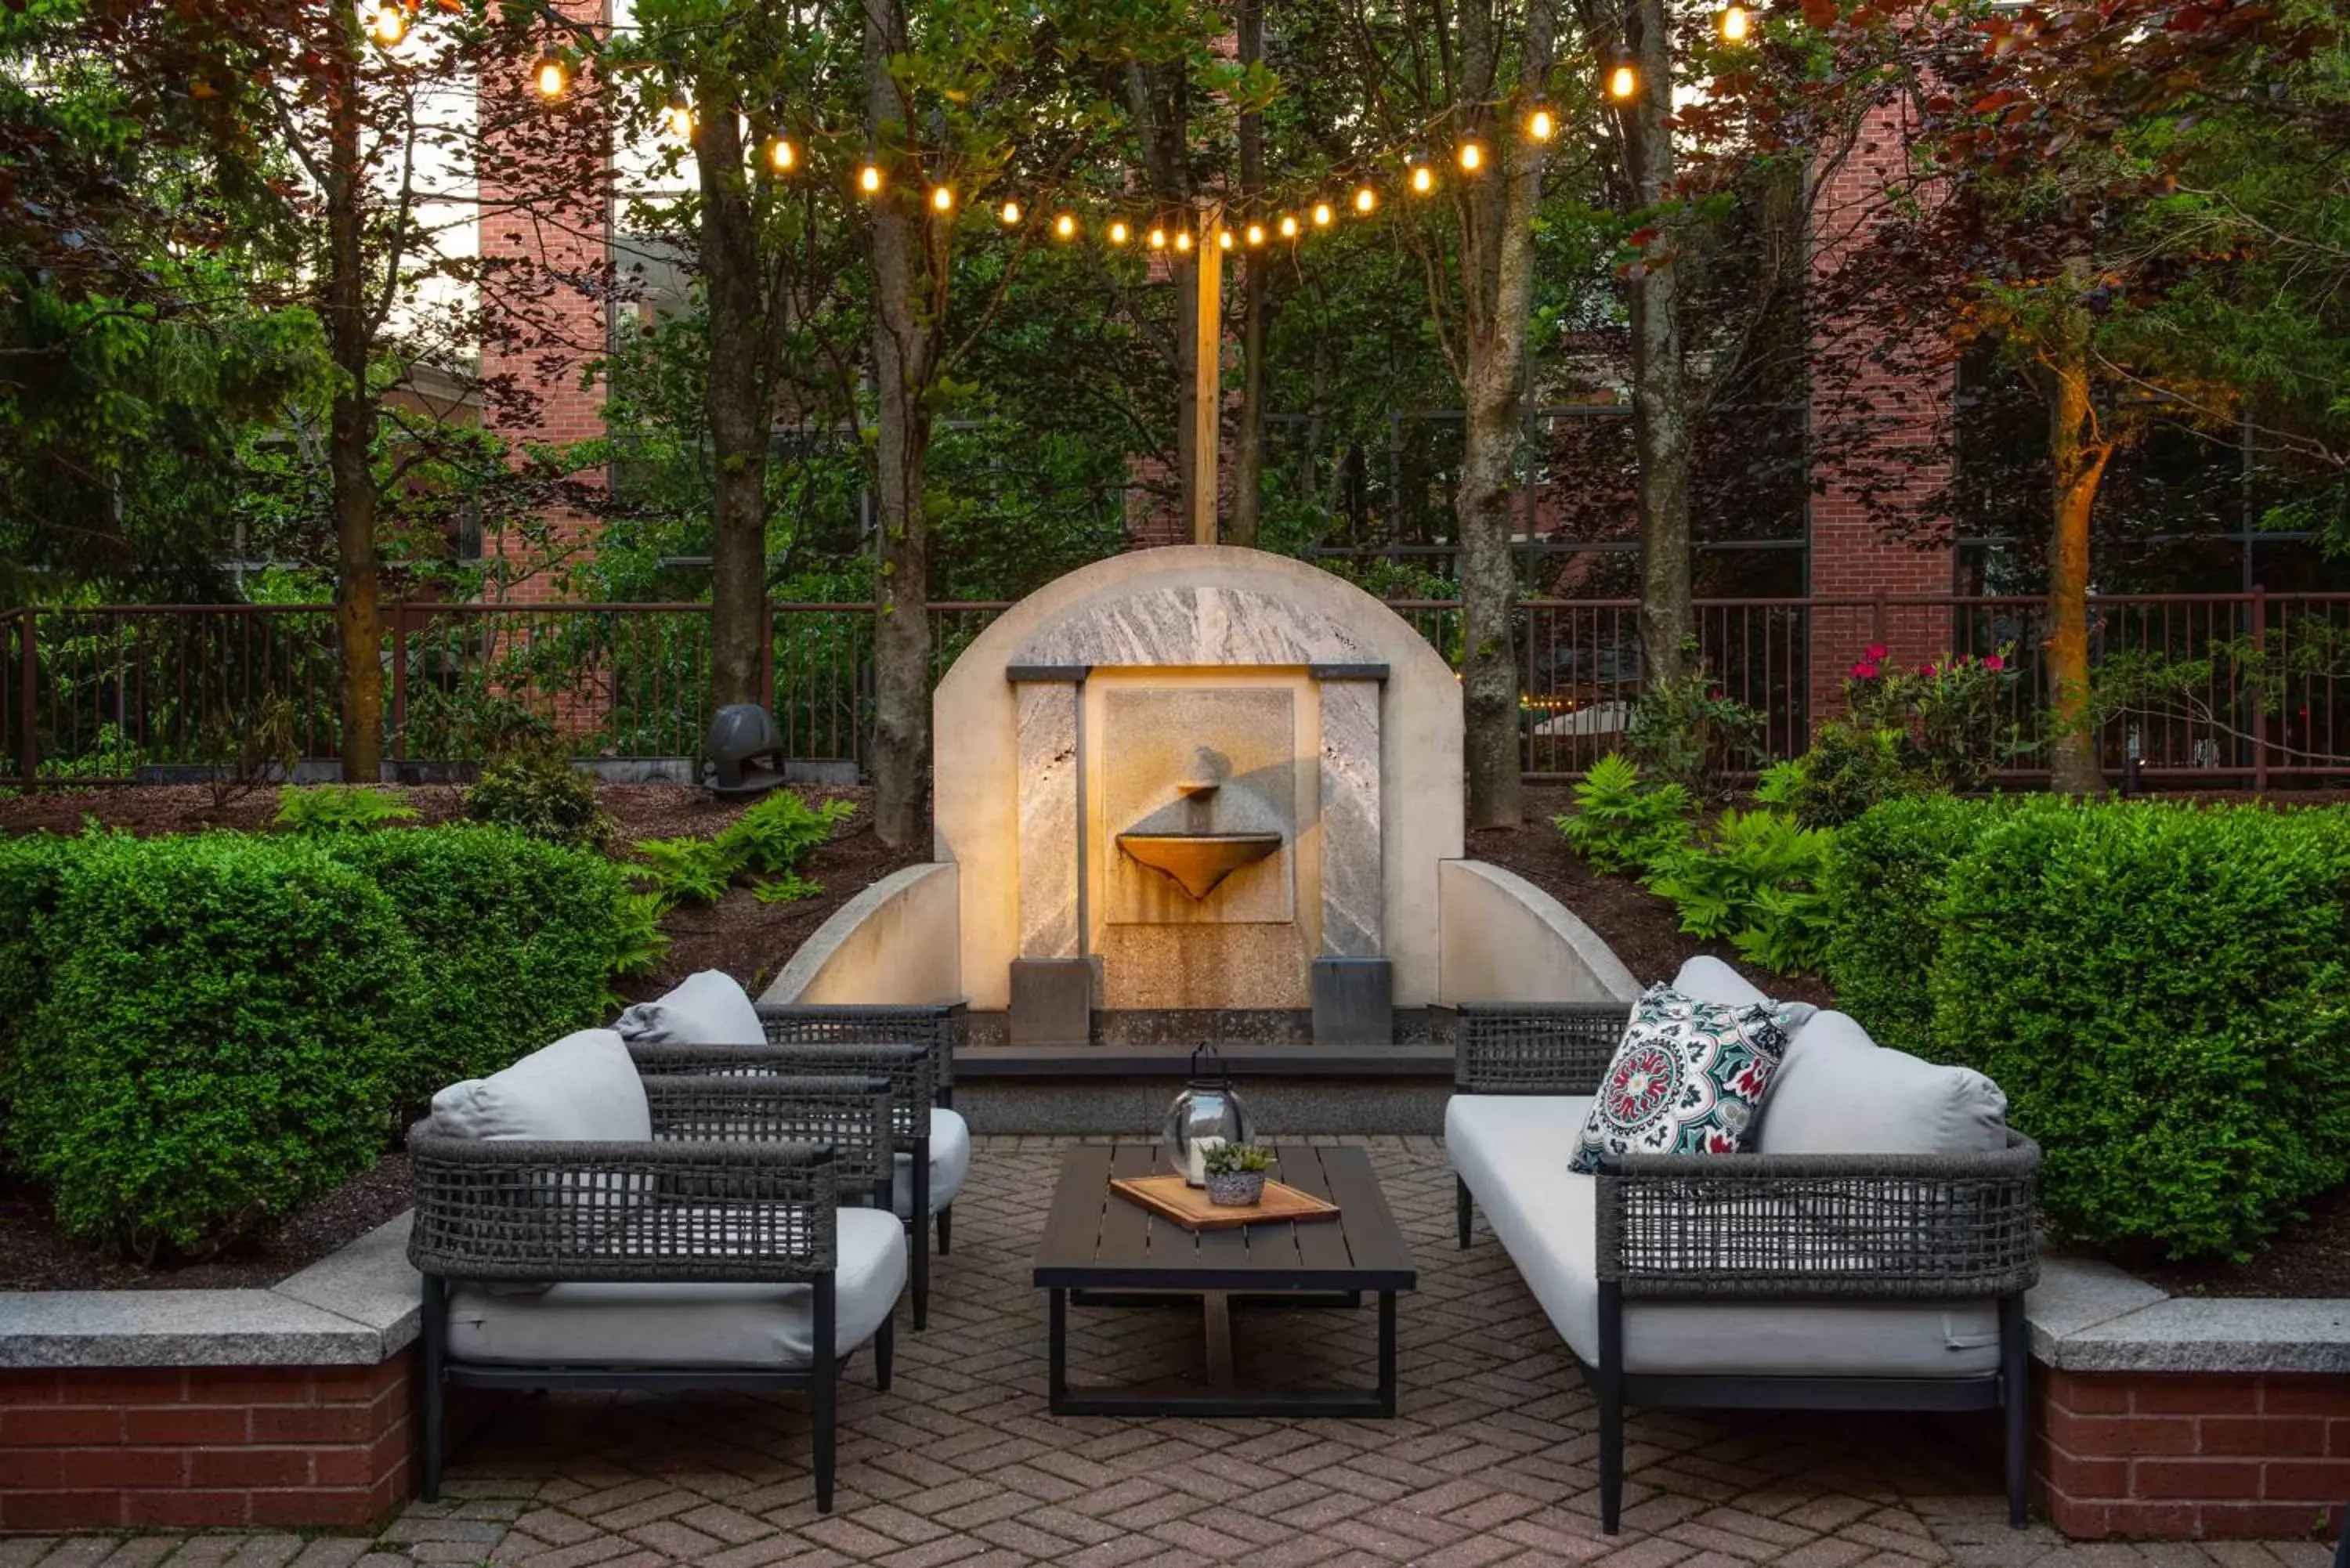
<point>1199,861</point>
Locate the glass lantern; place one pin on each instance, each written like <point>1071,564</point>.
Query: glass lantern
<point>1207,1112</point>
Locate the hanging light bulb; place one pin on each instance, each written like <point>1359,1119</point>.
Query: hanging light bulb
<point>1472,157</point>
<point>782,156</point>
<point>1288,225</point>
<point>869,178</point>
<point>1422,178</point>
<point>1323,214</point>
<point>387,22</point>
<point>1542,124</point>
<point>1256,234</point>
<point>676,118</point>
<point>1623,82</point>
<point>1008,214</point>
<point>1157,237</point>
<point>548,78</point>
<point>1183,241</point>
<point>1064,227</point>
<point>942,199</point>
<point>1119,233</point>
<point>1735,23</point>
<point>1367,201</point>
<point>1223,239</point>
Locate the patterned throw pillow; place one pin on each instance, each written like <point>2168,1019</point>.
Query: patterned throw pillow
<point>1688,1079</point>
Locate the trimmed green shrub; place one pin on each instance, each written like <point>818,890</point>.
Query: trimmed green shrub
<point>30,869</point>
<point>211,1050</point>
<point>539,793</point>
<point>2164,992</point>
<point>1619,824</point>
<point>1884,886</point>
<point>517,940</point>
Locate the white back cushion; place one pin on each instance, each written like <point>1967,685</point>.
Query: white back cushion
<point>705,1009</point>
<point>1839,1092</point>
<point>1710,980</point>
<point>581,1089</point>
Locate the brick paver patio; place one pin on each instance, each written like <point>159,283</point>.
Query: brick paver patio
<point>959,1466</point>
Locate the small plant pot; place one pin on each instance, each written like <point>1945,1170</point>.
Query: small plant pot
<point>1235,1188</point>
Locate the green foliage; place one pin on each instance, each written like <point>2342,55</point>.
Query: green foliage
<point>1620,826</point>
<point>1687,730</point>
<point>788,888</point>
<point>776,833</point>
<point>2164,992</point>
<point>517,940</point>
<point>1886,885</point>
<point>769,841</point>
<point>211,1051</point>
<point>1849,769</point>
<point>1236,1158</point>
<point>638,944</point>
<point>1754,879</point>
<point>687,869</point>
<point>539,793</point>
<point>337,808</point>
<point>30,870</point>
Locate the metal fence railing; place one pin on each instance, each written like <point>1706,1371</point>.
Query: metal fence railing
<point>114,693</point>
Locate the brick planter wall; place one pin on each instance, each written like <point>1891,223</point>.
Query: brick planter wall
<point>2192,1456</point>
<point>327,1447</point>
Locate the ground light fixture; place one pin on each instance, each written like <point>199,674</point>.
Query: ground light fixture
<point>549,78</point>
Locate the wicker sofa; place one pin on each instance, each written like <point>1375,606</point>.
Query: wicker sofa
<point>579,1225</point>
<point>1873,1254</point>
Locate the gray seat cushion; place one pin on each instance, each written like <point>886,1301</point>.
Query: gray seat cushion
<point>1839,1092</point>
<point>581,1089</point>
<point>1512,1151</point>
<point>950,1164</point>
<point>651,1326</point>
<point>705,1009</point>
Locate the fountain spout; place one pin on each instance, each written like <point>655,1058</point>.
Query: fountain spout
<point>1198,862</point>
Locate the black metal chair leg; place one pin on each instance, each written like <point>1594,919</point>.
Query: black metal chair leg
<point>2015,1395</point>
<point>1610,1375</point>
<point>824,1390</point>
<point>1463,1208</point>
<point>885,1350</point>
<point>946,1230</point>
<point>436,1335</point>
<point>922,1239</point>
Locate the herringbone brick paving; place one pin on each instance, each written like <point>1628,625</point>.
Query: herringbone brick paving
<point>1488,1464</point>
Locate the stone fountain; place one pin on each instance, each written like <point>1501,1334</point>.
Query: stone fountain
<point>1198,782</point>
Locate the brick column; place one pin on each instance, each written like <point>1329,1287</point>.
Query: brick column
<point>1910,400</point>
<point>543,235</point>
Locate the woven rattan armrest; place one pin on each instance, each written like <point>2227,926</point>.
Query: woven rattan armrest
<point>687,1210</point>
<point>908,1070</point>
<point>936,1027</point>
<point>854,1114</point>
<point>1555,1048</point>
<point>1883,1227</point>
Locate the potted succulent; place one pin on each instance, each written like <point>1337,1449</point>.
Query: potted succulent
<point>1235,1173</point>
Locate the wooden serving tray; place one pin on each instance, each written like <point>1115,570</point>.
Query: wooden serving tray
<point>1172,1198</point>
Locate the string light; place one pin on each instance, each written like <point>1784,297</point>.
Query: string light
<point>1008,214</point>
<point>387,22</point>
<point>868,178</point>
<point>1623,82</point>
<point>1472,157</point>
<point>1223,239</point>
<point>676,118</point>
<point>1734,24</point>
<point>1323,214</point>
<point>1367,201</point>
<point>548,78</point>
<point>1542,125</point>
<point>942,199</point>
<point>1183,241</point>
<point>1424,179</point>
<point>1064,227</point>
<point>1119,231</point>
<point>782,156</point>
<point>1288,225</point>
<point>1157,238</point>
<point>1256,234</point>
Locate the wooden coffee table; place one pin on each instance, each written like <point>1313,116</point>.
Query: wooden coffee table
<point>1102,1250</point>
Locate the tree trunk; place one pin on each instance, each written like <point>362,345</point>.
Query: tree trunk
<point>736,408</point>
<point>902,351</point>
<point>2078,453</point>
<point>1660,423</point>
<point>1497,275</point>
<point>1248,440</point>
<point>359,610</point>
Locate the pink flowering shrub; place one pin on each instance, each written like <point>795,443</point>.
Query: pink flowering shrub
<point>1950,718</point>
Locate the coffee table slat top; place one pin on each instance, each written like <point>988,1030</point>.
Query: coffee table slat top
<point>1094,1238</point>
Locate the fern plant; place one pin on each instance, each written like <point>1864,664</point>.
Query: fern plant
<point>775,835</point>
<point>688,870</point>
<point>1619,825</point>
<point>638,943</point>
<point>1753,879</point>
<point>337,808</point>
